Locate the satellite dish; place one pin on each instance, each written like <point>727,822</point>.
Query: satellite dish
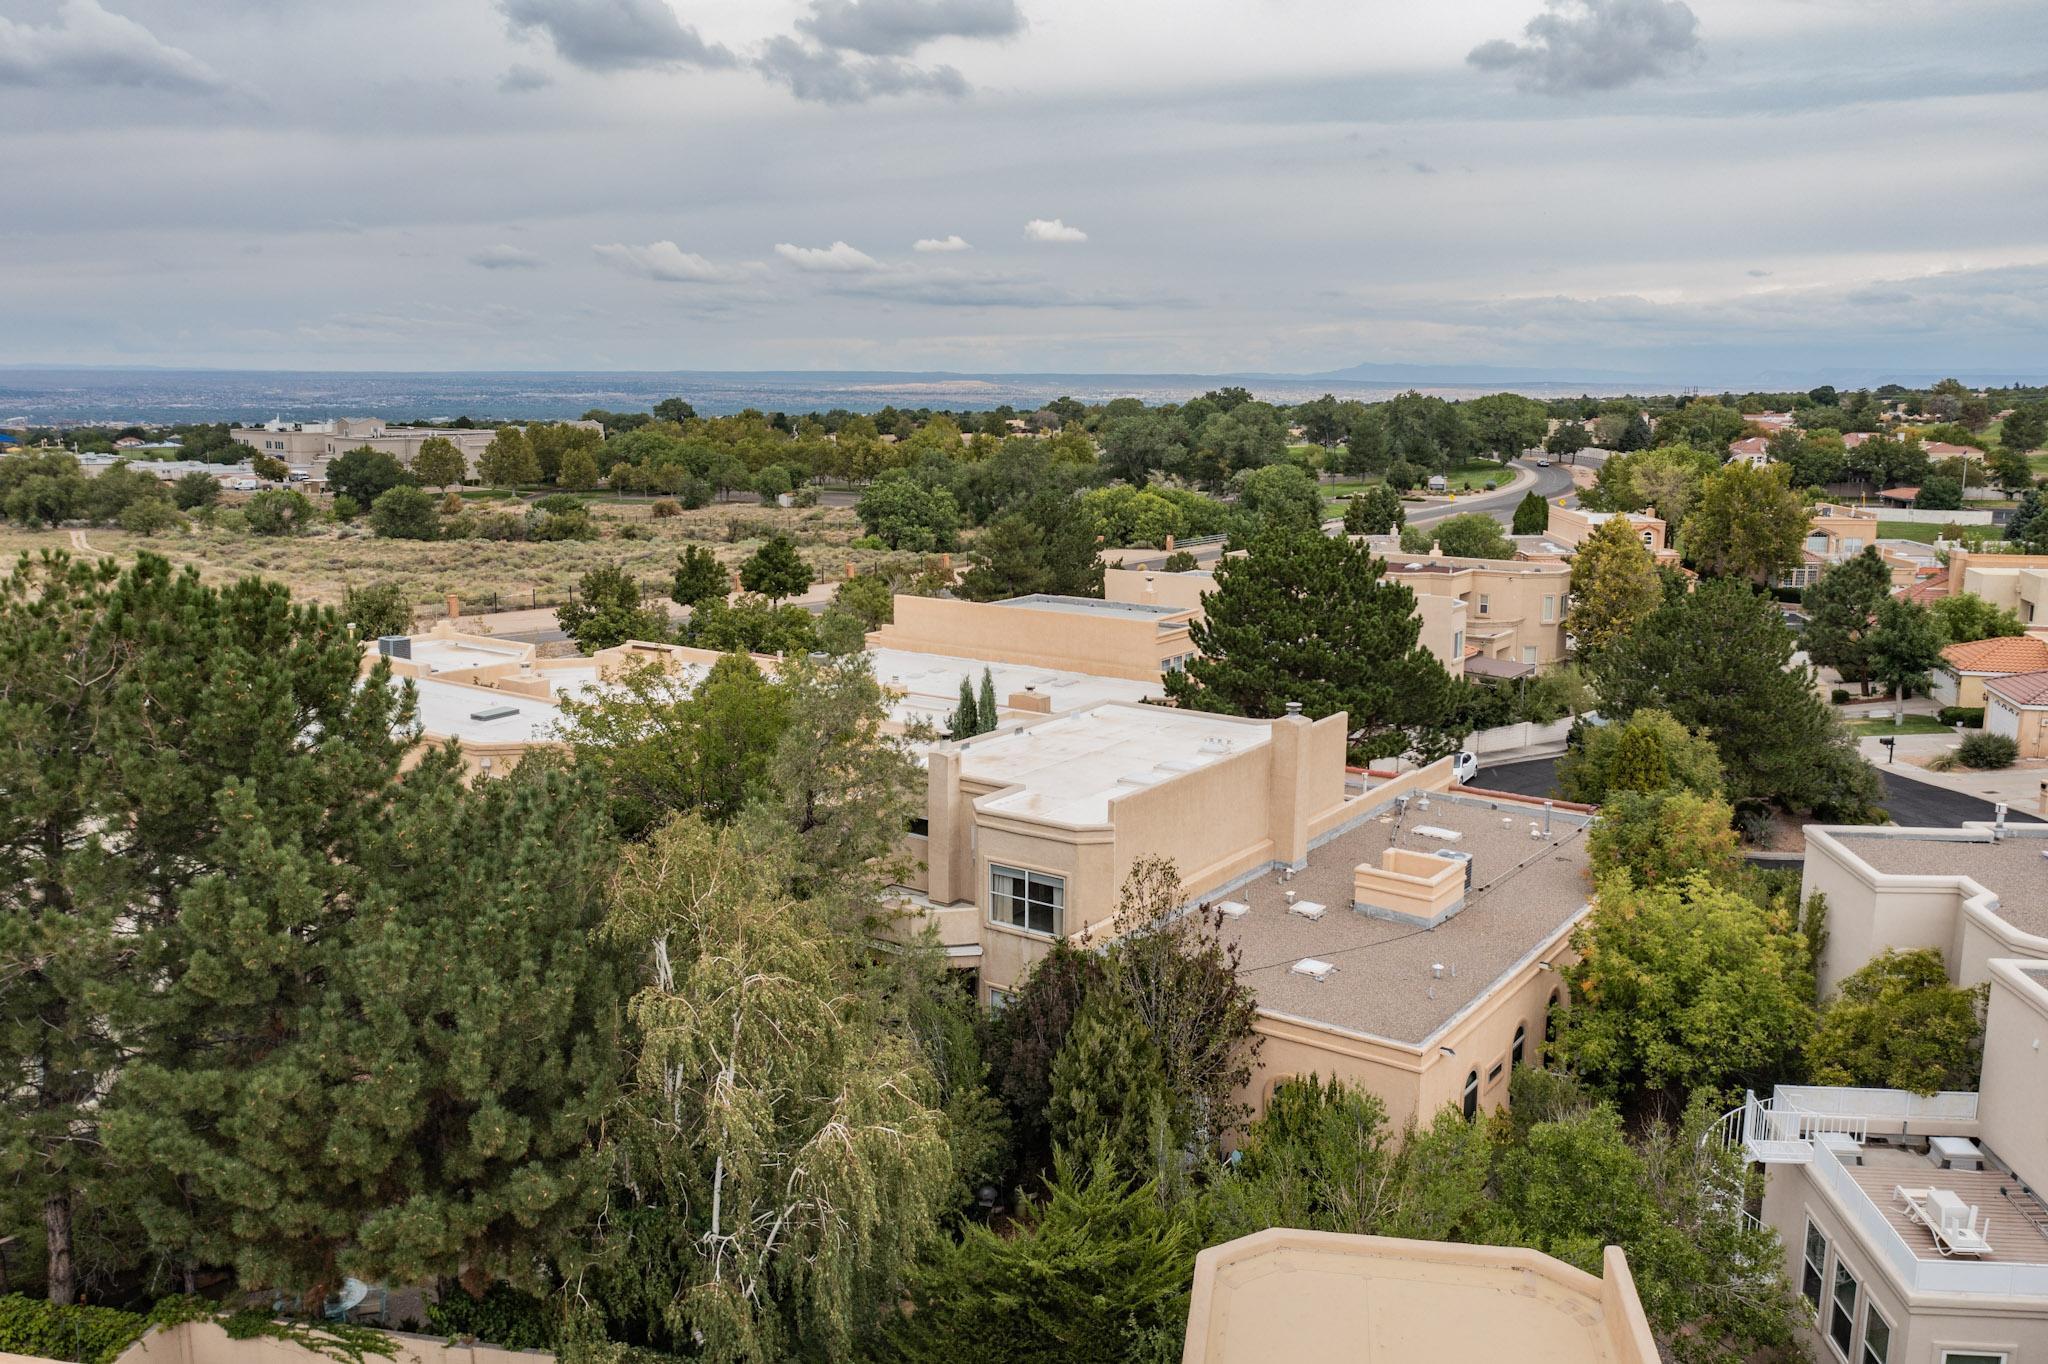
<point>353,1291</point>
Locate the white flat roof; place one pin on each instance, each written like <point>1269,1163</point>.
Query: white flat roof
<point>930,684</point>
<point>447,710</point>
<point>446,655</point>
<point>1068,769</point>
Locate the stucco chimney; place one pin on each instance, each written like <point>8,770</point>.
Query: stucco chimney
<point>1289,787</point>
<point>1030,699</point>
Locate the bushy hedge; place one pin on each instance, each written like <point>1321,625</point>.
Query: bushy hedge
<point>1987,750</point>
<point>84,1335</point>
<point>1971,717</point>
<point>503,1316</point>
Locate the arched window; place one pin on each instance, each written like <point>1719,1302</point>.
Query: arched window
<point>1471,1096</point>
<point>1550,1018</point>
<point>1521,1038</point>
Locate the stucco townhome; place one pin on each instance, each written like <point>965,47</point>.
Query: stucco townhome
<point>1965,668</point>
<point>1912,1224</point>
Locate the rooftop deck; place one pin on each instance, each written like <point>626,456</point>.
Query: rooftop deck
<point>2011,1213</point>
<point>1525,892</point>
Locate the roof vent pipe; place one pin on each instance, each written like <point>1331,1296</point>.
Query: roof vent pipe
<point>1547,807</point>
<point>1436,971</point>
<point>1294,707</point>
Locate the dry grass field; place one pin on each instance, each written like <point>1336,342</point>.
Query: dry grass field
<point>484,574</point>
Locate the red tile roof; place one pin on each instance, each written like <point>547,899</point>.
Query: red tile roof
<point>2011,654</point>
<point>2022,689</point>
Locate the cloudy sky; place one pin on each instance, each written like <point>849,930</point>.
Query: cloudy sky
<point>1714,189</point>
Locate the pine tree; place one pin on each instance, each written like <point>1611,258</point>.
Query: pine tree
<point>1532,514</point>
<point>1307,617</point>
<point>775,570</point>
<point>699,577</point>
<point>1110,1100</point>
<point>157,737</point>
<point>1841,614</point>
<point>1635,435</point>
<point>404,1080</point>
<point>985,707</point>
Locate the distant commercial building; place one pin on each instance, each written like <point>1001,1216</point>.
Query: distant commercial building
<point>1317,1297</point>
<point>308,447</point>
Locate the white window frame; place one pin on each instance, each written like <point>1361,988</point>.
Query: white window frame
<point>1057,901</point>
<point>1842,1274</point>
<point>1949,1356</point>
<point>1870,1313</point>
<point>1000,999</point>
<point>1485,603</point>
<point>1529,652</point>
<point>1818,1268</point>
<point>1549,609</point>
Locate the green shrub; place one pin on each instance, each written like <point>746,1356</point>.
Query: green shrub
<point>84,1335</point>
<point>504,1316</point>
<point>1970,717</point>
<point>1983,751</point>
<point>1839,696</point>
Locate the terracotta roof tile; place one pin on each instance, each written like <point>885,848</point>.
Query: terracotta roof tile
<point>2022,689</point>
<point>2013,654</point>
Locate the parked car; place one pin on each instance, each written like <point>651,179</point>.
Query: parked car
<point>1465,768</point>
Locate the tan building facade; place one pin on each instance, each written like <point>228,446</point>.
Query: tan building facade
<point>1571,526</point>
<point>1514,610</point>
<point>1313,1297</point>
<point>308,447</point>
<point>1105,638</point>
<point>2016,582</point>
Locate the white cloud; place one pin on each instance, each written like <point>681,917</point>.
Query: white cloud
<point>826,76</point>
<point>663,261</point>
<point>955,242</point>
<point>89,45</point>
<point>1053,230</point>
<point>505,257</point>
<point>836,259</point>
<point>616,35</point>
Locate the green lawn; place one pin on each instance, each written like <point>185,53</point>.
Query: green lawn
<point>1925,532</point>
<point>1915,724</point>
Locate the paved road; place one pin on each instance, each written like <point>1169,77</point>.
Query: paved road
<point>1552,482</point>
<point>1914,804</point>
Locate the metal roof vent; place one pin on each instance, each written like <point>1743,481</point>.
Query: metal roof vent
<point>1315,968</point>
<point>494,713</point>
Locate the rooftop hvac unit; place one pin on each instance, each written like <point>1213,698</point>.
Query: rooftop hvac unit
<point>1455,855</point>
<point>1233,909</point>
<point>1307,909</point>
<point>395,646</point>
<point>1313,967</point>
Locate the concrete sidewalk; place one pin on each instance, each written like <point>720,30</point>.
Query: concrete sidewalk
<point>2019,786</point>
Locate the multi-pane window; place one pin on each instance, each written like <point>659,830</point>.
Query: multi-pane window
<point>1813,1271</point>
<point>1471,1096</point>
<point>1877,1337</point>
<point>1485,603</point>
<point>1842,1313</point>
<point>1521,1039</point>
<point>1029,900</point>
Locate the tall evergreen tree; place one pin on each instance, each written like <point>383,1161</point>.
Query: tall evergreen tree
<point>1110,1101</point>
<point>402,1077</point>
<point>1841,614</point>
<point>157,738</point>
<point>1307,617</point>
<point>966,719</point>
<point>985,703</point>
<point>775,570</point>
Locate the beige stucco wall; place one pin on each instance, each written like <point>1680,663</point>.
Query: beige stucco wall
<point>1107,646</point>
<point>2012,1104</point>
<point>1571,525</point>
<point>1155,587</point>
<point>204,1342</point>
<point>1508,610</point>
<point>2024,725</point>
<point>1307,1297</point>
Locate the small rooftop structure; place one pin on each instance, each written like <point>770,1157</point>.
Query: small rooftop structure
<point>1404,902</point>
<point>1310,1297</point>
